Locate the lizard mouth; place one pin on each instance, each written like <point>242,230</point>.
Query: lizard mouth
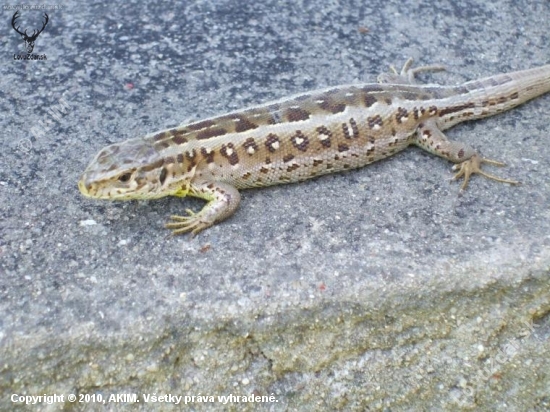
<point>85,189</point>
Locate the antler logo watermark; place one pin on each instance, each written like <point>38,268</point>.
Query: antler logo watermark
<point>29,40</point>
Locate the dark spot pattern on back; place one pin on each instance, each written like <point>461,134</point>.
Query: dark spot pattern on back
<point>159,136</point>
<point>401,115</point>
<point>296,114</point>
<point>345,131</point>
<point>242,124</point>
<point>272,142</point>
<point>179,139</point>
<point>331,105</point>
<point>208,154</point>
<point>343,147</point>
<point>454,109</point>
<point>324,135</point>
<point>201,125</point>
<point>228,151</point>
<point>369,100</point>
<point>287,158</point>
<point>372,88</point>
<point>250,146</point>
<point>300,141</point>
<point>208,133</point>
<point>375,122</point>
<point>354,128</point>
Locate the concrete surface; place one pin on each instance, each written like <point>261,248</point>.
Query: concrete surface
<point>377,289</point>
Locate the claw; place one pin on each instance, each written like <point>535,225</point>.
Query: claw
<point>184,224</point>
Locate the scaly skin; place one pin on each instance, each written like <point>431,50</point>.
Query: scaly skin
<point>301,137</point>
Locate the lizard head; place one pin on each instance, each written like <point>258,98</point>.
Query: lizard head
<point>131,170</point>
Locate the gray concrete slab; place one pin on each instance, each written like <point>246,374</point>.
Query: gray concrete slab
<point>379,289</point>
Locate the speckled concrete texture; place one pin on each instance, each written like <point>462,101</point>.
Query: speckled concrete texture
<point>383,288</point>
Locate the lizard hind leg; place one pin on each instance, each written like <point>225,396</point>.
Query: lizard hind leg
<point>468,162</point>
<point>407,74</point>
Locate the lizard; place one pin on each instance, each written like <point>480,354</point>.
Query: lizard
<point>304,136</point>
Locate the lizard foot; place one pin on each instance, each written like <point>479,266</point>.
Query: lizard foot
<point>191,223</point>
<point>473,165</point>
<point>407,74</point>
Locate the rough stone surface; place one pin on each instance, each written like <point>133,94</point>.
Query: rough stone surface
<point>378,289</point>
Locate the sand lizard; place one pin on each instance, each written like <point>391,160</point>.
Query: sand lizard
<point>304,136</point>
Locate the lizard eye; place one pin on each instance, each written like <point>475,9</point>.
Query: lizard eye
<point>125,177</point>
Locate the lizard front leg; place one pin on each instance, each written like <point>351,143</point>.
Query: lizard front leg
<point>223,199</point>
<point>468,162</point>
